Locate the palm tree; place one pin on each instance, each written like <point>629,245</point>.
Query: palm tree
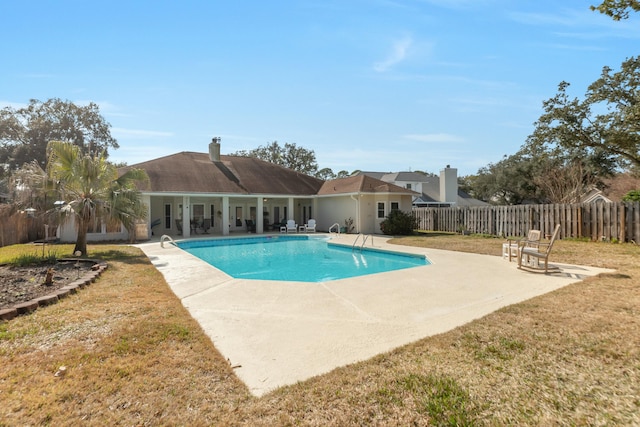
<point>93,190</point>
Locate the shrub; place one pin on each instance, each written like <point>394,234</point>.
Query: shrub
<point>632,196</point>
<point>399,223</point>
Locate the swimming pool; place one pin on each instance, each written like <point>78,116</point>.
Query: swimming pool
<point>296,258</point>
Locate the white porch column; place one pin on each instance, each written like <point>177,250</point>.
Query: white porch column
<point>259,216</point>
<point>186,216</point>
<point>314,204</point>
<point>225,216</point>
<point>291,210</point>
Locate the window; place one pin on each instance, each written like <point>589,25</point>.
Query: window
<point>198,213</point>
<point>239,216</point>
<point>408,186</point>
<point>380,209</point>
<point>395,206</point>
<point>167,216</point>
<point>113,227</point>
<point>212,214</point>
<point>95,226</point>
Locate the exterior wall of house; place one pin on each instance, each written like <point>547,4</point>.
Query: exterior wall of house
<point>333,210</point>
<point>239,210</point>
<point>363,211</point>
<point>415,185</point>
<point>68,234</point>
<point>371,221</point>
<point>165,210</point>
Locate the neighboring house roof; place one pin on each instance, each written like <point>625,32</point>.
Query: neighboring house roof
<point>430,187</point>
<point>594,195</point>
<point>190,172</point>
<point>361,184</point>
<point>465,199</point>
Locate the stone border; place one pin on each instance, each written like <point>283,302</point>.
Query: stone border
<point>30,306</point>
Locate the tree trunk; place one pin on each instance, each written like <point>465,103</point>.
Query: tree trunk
<point>81,240</point>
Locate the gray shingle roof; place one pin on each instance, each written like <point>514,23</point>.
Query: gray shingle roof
<point>190,172</point>
<point>361,184</point>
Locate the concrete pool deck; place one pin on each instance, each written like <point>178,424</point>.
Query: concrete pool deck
<point>279,333</point>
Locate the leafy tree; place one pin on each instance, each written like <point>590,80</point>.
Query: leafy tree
<point>343,174</point>
<point>507,182</point>
<point>617,9</point>
<point>563,181</point>
<point>539,173</point>
<point>25,132</point>
<point>571,123</point>
<point>30,188</point>
<point>632,196</point>
<point>290,156</point>
<point>325,174</point>
<point>93,190</point>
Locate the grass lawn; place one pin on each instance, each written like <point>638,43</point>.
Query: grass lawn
<point>134,356</point>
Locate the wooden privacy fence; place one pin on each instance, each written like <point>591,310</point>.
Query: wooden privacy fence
<point>595,221</point>
<point>17,227</point>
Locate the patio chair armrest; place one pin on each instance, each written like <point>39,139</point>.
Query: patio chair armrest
<point>524,242</point>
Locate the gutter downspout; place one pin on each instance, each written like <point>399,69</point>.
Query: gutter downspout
<point>357,213</point>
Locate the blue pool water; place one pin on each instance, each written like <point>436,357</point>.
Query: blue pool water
<point>295,258</point>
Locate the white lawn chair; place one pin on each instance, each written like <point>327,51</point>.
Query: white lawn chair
<point>310,227</point>
<point>292,227</point>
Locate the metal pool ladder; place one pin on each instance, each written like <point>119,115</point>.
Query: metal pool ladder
<point>364,240</point>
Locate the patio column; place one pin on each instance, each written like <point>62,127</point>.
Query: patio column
<point>291,213</point>
<point>225,216</point>
<point>186,216</point>
<point>259,216</point>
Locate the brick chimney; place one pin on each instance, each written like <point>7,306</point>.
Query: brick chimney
<point>214,149</point>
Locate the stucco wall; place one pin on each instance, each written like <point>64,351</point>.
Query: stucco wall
<point>338,209</point>
<point>68,234</point>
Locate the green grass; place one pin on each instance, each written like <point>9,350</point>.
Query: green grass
<point>135,356</point>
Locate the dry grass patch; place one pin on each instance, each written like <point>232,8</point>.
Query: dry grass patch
<point>134,356</point>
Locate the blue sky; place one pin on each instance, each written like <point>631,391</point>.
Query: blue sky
<point>377,85</point>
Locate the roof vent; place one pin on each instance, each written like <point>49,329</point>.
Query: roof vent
<point>214,149</point>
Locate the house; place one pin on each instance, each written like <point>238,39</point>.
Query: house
<point>433,191</point>
<point>194,193</point>
<point>594,195</point>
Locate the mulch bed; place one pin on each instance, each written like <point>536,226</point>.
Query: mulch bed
<point>19,285</point>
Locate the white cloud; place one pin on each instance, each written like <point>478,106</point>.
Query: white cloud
<point>397,55</point>
<point>434,137</point>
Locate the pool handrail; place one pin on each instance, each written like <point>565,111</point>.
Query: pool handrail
<point>364,240</point>
<point>166,237</point>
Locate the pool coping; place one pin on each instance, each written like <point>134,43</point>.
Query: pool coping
<point>279,333</point>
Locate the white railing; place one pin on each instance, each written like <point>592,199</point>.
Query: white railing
<point>337,228</point>
<point>166,238</point>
